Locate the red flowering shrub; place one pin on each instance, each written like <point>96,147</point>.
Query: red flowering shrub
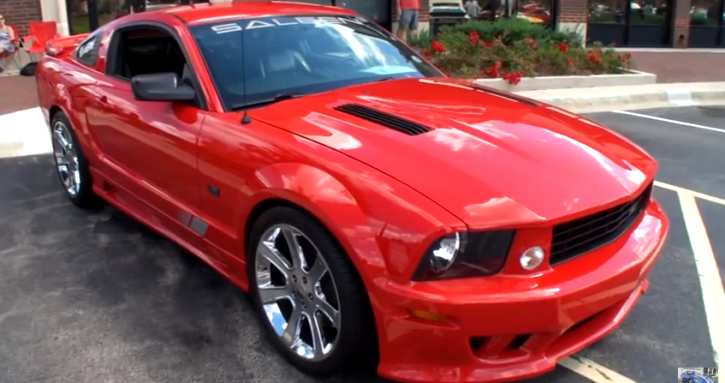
<point>466,55</point>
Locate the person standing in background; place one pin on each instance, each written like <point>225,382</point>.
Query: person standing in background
<point>408,12</point>
<point>473,9</point>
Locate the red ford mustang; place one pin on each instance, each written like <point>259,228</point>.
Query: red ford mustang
<point>369,204</point>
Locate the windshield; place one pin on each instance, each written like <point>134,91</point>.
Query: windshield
<point>253,61</point>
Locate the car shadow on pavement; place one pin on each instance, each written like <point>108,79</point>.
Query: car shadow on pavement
<point>96,296</point>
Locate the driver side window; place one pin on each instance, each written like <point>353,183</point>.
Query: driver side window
<point>149,50</point>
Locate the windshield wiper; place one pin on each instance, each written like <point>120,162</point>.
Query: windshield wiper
<point>277,98</point>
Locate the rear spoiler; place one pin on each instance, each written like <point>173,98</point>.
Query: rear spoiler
<point>63,45</point>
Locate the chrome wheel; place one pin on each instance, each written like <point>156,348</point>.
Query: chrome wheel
<point>66,158</point>
<point>297,292</point>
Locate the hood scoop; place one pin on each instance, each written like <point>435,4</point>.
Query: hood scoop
<point>385,119</point>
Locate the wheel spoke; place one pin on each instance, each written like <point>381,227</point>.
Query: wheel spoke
<point>291,334</point>
<point>317,271</point>
<point>318,341</point>
<point>64,168</point>
<point>59,137</point>
<point>330,312</point>
<point>272,294</point>
<point>267,251</point>
<point>295,250</point>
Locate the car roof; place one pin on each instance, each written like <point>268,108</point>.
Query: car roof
<point>214,12</point>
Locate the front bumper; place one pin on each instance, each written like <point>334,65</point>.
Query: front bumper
<point>506,328</point>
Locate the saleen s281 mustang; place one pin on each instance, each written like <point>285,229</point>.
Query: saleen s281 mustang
<point>359,195</point>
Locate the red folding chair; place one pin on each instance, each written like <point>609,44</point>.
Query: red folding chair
<point>40,33</point>
<point>7,57</point>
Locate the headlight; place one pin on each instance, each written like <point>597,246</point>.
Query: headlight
<point>465,254</point>
<point>444,253</point>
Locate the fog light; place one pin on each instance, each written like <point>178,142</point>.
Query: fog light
<point>532,258</point>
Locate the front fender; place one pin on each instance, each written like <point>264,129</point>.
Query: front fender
<point>380,223</point>
<point>326,198</point>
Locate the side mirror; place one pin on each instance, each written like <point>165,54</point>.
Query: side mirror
<point>161,87</point>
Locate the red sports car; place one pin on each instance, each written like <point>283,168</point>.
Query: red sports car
<point>370,205</point>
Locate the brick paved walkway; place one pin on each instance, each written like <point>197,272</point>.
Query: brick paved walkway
<point>18,92</point>
<point>682,66</point>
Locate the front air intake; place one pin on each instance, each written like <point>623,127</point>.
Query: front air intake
<point>389,120</point>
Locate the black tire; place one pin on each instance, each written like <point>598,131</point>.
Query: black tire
<point>355,339</point>
<point>85,197</point>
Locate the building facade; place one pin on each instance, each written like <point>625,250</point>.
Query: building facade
<point>626,23</point>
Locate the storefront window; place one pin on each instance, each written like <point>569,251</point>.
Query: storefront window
<point>78,16</point>
<point>649,12</point>
<point>707,22</point>
<point>706,12</point>
<point>644,23</point>
<point>606,12</point>
<point>535,11</point>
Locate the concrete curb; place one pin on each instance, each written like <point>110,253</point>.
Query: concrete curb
<point>567,82</point>
<point>632,97</point>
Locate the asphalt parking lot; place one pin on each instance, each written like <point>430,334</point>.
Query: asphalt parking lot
<point>95,297</point>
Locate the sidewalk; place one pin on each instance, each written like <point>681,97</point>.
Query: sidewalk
<point>675,66</point>
<point>17,93</point>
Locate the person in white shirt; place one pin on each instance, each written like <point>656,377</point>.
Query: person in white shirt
<point>473,9</point>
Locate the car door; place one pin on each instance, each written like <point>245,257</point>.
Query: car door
<point>148,149</point>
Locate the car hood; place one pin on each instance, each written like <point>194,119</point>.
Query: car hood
<point>490,158</point>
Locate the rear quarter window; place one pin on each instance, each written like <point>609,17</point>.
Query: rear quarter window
<point>87,52</point>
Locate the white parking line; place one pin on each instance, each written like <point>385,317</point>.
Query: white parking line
<point>713,294</point>
<point>593,371</point>
<point>670,121</point>
<point>706,197</point>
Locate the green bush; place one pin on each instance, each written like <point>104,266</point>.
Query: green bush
<point>511,30</point>
<point>468,55</point>
<point>421,40</point>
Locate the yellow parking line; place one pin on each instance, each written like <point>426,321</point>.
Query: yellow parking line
<point>713,294</point>
<point>593,371</point>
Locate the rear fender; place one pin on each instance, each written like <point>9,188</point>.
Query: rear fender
<point>61,99</point>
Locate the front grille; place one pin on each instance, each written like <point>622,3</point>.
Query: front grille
<point>574,238</point>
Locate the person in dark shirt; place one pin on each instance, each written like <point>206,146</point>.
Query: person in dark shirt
<point>491,9</point>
